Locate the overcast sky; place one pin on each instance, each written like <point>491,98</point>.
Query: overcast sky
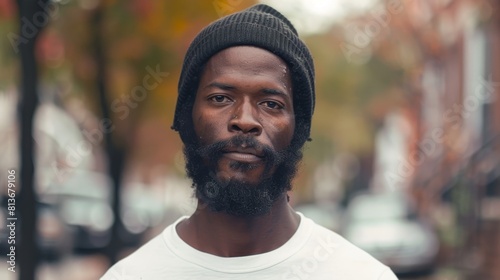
<point>316,16</point>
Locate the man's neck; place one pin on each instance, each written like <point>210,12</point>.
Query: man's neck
<point>229,236</point>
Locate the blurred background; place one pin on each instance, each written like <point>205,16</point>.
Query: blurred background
<point>404,162</point>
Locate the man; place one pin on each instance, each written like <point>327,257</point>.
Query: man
<point>246,98</point>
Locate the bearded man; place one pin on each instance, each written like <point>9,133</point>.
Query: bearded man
<point>246,99</point>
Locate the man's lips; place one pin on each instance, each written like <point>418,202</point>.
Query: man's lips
<point>249,156</point>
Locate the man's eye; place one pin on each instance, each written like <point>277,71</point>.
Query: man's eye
<point>219,98</point>
<point>273,105</point>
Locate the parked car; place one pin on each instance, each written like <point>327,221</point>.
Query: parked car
<point>53,237</point>
<point>386,226</point>
<point>141,211</point>
<point>83,201</point>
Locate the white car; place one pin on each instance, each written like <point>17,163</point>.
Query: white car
<point>386,226</point>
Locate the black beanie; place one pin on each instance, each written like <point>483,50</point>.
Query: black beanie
<point>260,26</point>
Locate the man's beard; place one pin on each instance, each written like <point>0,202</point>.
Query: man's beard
<point>236,197</point>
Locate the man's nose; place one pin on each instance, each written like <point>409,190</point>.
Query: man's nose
<point>244,120</point>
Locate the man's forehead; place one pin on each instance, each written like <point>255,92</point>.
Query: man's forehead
<point>249,61</point>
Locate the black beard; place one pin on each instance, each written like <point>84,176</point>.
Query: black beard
<point>236,197</point>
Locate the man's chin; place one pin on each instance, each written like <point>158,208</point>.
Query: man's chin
<point>238,197</point>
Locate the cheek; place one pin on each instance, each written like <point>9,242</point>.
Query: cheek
<point>206,126</point>
<point>281,133</point>
<point>198,117</point>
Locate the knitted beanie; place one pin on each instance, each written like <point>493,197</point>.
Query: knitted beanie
<point>260,26</point>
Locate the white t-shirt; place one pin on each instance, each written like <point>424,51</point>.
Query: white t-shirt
<point>313,252</point>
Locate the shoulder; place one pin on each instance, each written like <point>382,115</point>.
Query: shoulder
<point>148,260</point>
<point>334,244</point>
<point>139,260</point>
<point>340,257</point>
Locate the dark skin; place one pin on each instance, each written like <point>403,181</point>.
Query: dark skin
<point>243,90</point>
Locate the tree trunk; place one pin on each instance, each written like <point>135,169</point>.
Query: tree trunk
<point>115,152</point>
<point>29,30</point>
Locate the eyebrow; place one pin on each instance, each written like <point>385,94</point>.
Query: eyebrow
<point>272,91</point>
<point>269,91</point>
<point>221,86</point>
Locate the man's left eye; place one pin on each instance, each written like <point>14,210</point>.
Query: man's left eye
<point>273,105</point>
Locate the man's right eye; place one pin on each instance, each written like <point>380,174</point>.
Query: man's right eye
<point>219,98</point>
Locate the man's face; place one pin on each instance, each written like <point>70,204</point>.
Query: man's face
<point>244,91</point>
<point>244,122</point>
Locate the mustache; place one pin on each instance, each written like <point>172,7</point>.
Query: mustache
<point>215,150</point>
